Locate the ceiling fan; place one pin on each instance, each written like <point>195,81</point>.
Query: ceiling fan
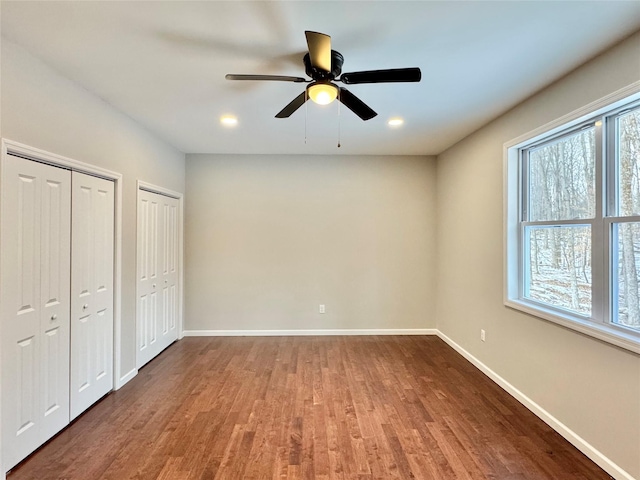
<point>324,66</point>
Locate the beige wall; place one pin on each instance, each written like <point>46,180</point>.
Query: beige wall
<point>45,110</point>
<point>591,387</point>
<point>269,238</point>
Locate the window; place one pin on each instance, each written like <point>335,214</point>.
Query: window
<point>573,222</point>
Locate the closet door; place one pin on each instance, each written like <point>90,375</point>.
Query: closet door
<point>91,290</point>
<point>158,274</point>
<point>170,271</point>
<point>34,312</point>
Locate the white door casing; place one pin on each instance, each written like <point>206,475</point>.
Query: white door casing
<point>92,258</point>
<point>158,267</point>
<point>35,258</point>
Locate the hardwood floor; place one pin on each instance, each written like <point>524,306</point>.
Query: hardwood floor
<point>308,407</point>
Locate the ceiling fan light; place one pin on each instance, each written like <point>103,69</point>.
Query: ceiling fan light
<point>322,93</point>
<point>228,120</point>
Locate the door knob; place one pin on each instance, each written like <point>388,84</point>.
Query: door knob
<point>85,306</point>
<point>53,317</point>
<point>154,285</point>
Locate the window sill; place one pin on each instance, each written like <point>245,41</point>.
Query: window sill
<point>612,335</point>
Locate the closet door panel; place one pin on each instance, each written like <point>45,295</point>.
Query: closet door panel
<point>82,292</point>
<point>103,250</point>
<point>55,281</point>
<point>55,395</point>
<point>152,250</point>
<point>91,291</point>
<point>149,250</point>
<point>170,271</point>
<point>34,304</point>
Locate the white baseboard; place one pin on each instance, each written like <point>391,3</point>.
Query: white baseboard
<point>125,378</point>
<point>581,444</point>
<point>320,332</point>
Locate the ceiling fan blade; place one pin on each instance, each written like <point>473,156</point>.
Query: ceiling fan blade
<point>319,50</point>
<point>295,104</point>
<point>277,78</point>
<point>383,76</point>
<point>356,105</point>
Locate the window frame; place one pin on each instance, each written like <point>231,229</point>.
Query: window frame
<point>600,323</point>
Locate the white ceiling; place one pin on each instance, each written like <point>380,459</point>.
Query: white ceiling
<point>163,64</point>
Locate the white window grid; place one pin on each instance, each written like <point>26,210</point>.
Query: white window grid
<point>601,323</point>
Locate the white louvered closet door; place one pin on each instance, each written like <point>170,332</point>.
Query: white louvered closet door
<point>158,274</point>
<point>91,291</point>
<point>35,238</point>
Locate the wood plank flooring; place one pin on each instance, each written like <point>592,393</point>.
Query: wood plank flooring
<point>308,408</point>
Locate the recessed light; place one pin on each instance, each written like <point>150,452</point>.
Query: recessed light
<point>395,122</point>
<point>228,120</point>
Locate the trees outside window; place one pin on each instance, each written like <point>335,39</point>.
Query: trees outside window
<point>560,190</point>
<point>626,232</point>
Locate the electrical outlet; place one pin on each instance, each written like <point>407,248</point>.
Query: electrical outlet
<point>482,335</point>
<point>321,309</point>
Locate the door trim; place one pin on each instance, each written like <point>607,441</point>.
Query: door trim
<point>10,147</point>
<point>149,187</point>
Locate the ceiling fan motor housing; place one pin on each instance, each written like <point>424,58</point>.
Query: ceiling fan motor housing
<point>318,74</point>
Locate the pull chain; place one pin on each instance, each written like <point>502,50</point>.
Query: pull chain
<point>339,102</point>
<point>305,117</point>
